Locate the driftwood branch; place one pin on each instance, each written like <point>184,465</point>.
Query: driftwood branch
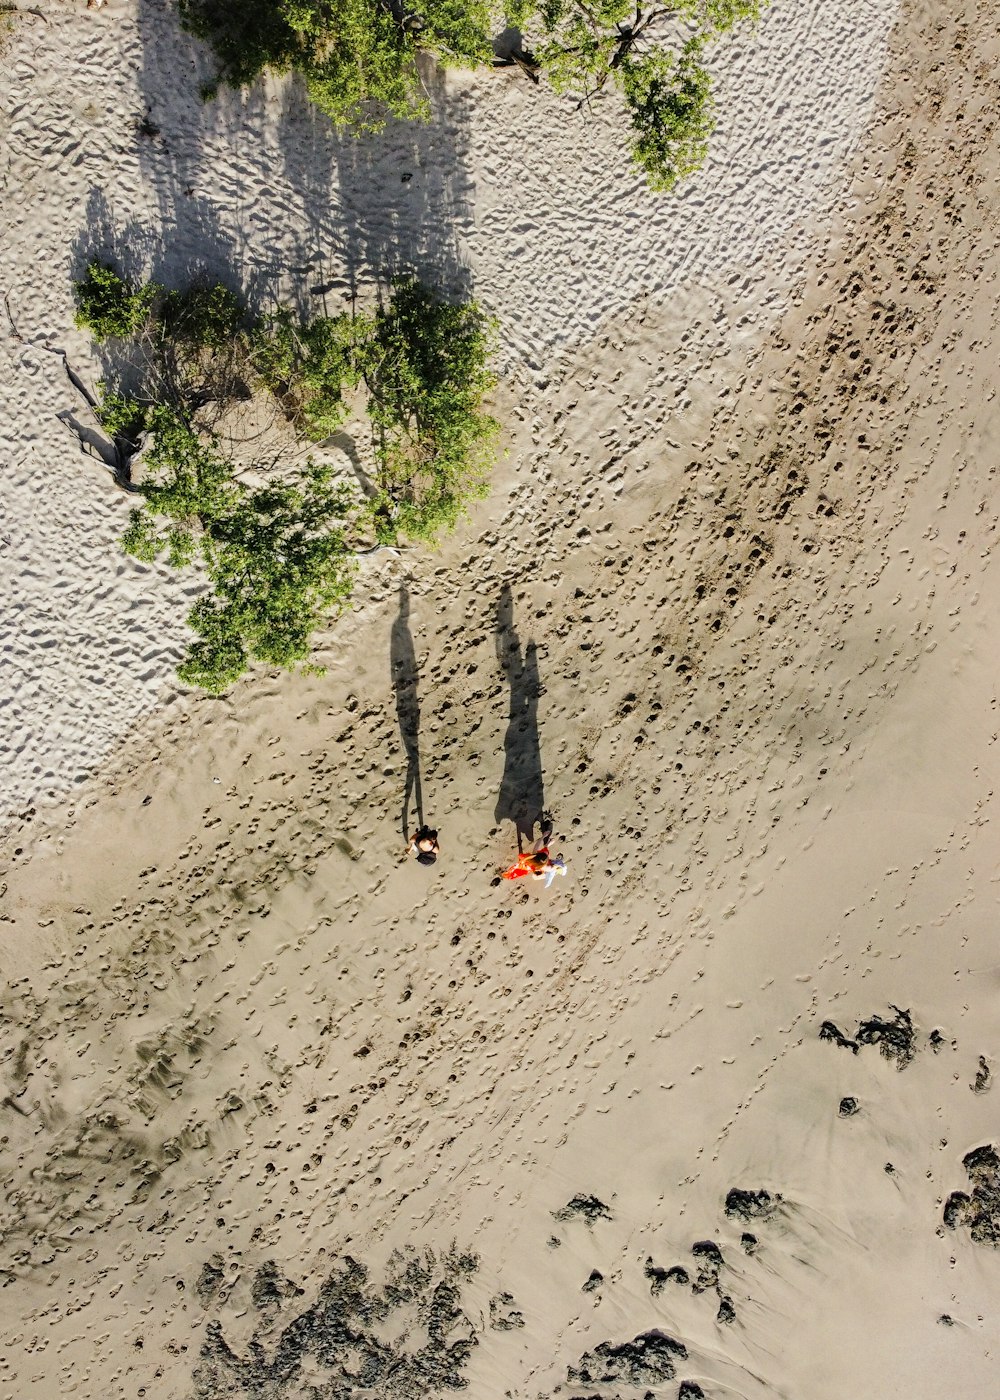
<point>94,444</point>
<point>27,10</point>
<point>519,60</point>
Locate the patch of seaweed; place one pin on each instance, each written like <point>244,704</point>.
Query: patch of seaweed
<point>894,1037</point>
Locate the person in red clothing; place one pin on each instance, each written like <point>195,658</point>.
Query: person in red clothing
<point>532,863</point>
<point>537,862</point>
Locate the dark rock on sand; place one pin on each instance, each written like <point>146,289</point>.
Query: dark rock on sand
<point>594,1282</point>
<point>270,1288</point>
<point>749,1242</point>
<point>709,1257</point>
<point>956,1209</point>
<point>504,1314</point>
<point>339,1345</point>
<point>848,1107</point>
<point>589,1207</point>
<point>727,1312</point>
<point>211,1276</point>
<point>646,1360</point>
<point>659,1278</point>
<point>690,1390</point>
<point>983,1076</point>
<point>980,1212</point>
<point>751,1205</point>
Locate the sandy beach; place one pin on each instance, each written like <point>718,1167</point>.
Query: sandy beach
<point>286,1114</point>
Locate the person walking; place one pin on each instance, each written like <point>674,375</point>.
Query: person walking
<point>538,863</point>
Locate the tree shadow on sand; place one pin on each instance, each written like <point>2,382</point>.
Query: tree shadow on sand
<point>405,678</point>
<point>257,186</point>
<point>522,791</point>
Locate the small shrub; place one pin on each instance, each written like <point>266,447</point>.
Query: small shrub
<point>208,317</point>
<point>426,367</point>
<point>309,367</point>
<point>122,418</point>
<point>108,306</point>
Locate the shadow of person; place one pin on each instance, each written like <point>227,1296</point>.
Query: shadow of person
<point>522,793</point>
<point>404,676</point>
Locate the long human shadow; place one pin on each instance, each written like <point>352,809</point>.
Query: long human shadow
<point>405,678</point>
<point>522,789</point>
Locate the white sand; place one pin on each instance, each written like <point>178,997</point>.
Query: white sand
<point>758,563</point>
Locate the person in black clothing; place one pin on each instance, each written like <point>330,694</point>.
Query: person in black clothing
<point>424,845</point>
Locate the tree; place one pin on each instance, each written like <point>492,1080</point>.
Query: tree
<point>670,105</point>
<point>656,59</point>
<point>280,557</point>
<point>358,57</point>
<point>276,557</point>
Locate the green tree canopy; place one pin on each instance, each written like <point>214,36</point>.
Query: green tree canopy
<point>280,557</point>
<point>276,557</point>
<point>359,57</point>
